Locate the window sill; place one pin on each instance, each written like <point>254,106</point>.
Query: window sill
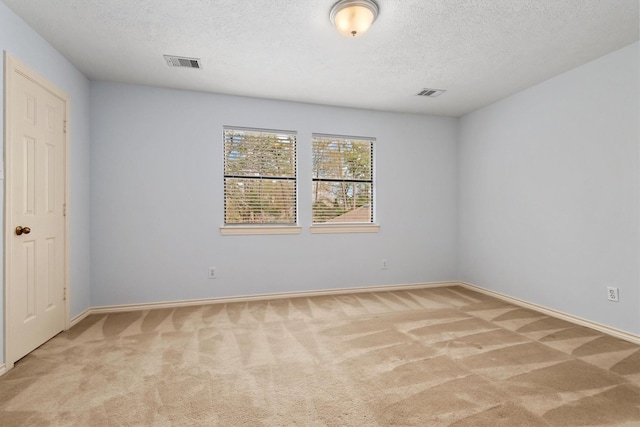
<point>346,228</point>
<point>246,230</point>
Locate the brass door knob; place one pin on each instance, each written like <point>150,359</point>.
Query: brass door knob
<point>22,230</point>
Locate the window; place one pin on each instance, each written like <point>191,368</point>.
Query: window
<point>342,180</point>
<point>259,177</point>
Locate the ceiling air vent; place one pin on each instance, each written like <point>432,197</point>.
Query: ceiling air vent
<point>182,61</point>
<point>431,93</point>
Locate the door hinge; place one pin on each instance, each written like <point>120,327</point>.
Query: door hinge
<point>64,294</point>
<point>64,209</point>
<point>64,126</point>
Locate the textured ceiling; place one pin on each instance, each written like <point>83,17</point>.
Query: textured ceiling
<point>478,50</point>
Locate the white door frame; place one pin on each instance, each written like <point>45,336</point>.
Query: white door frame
<point>12,66</point>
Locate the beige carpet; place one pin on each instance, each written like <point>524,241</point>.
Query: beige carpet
<point>430,357</point>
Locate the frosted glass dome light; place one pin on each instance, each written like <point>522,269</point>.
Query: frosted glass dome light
<point>353,17</point>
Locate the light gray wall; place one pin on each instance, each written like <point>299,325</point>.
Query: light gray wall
<point>157,199</point>
<point>549,192</point>
<point>19,40</point>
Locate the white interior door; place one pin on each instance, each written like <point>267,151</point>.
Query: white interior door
<point>35,204</point>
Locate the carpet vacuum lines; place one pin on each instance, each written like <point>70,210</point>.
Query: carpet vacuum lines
<point>446,356</point>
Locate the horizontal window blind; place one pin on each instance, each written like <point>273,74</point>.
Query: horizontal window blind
<point>342,179</point>
<point>259,177</point>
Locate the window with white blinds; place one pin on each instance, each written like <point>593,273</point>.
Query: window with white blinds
<point>259,177</point>
<point>342,180</point>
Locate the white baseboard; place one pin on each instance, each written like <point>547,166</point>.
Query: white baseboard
<point>80,317</point>
<point>344,291</point>
<point>258,297</point>
<point>627,336</point>
<point>3,369</point>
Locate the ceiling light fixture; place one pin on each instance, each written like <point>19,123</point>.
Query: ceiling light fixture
<point>353,17</point>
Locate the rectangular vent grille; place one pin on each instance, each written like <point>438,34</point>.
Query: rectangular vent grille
<point>182,61</point>
<point>431,93</point>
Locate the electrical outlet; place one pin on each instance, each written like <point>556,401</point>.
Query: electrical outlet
<point>384,264</point>
<point>212,272</point>
<point>612,294</point>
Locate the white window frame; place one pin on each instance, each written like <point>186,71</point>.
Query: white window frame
<point>369,227</point>
<point>266,228</point>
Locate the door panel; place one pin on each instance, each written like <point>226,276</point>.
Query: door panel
<point>27,266</point>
